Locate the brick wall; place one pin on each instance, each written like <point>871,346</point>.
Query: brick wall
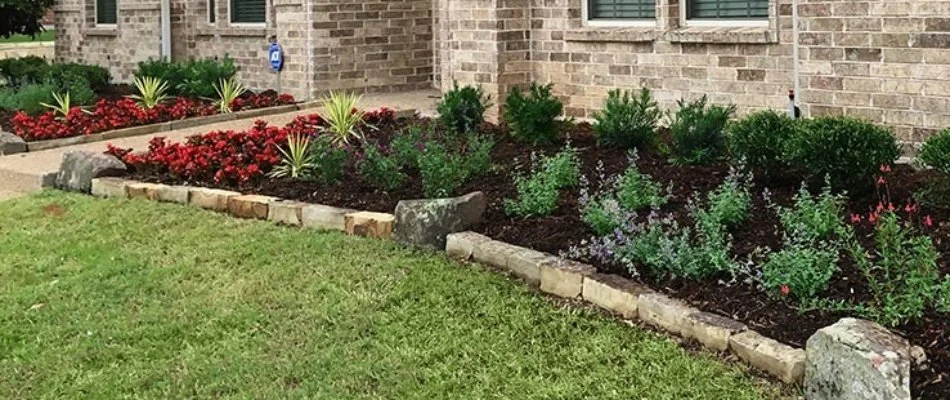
<point>884,61</point>
<point>363,45</point>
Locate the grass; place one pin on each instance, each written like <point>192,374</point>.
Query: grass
<point>45,36</point>
<point>128,299</point>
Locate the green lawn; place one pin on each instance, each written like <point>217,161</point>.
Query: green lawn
<point>104,299</point>
<point>44,36</point>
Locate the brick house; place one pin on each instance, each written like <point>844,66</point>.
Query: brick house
<point>882,60</point>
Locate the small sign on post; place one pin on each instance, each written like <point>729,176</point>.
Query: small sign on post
<point>275,55</point>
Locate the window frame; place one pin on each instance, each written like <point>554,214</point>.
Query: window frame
<point>685,21</point>
<point>614,22</point>
<point>231,21</point>
<point>95,15</point>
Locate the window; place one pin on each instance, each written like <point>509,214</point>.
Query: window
<point>248,11</point>
<point>212,13</point>
<point>106,12</point>
<point>728,9</point>
<point>620,9</point>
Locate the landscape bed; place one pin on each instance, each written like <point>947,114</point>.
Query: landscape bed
<point>564,228</point>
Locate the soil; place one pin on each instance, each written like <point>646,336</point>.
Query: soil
<point>723,295</point>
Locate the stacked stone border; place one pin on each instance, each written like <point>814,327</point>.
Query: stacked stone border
<point>850,352</point>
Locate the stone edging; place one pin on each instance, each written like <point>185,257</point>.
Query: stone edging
<point>177,124</point>
<point>354,222</point>
<point>573,280</point>
<point>846,352</point>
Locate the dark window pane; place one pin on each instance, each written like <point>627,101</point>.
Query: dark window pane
<point>106,12</point>
<point>621,9</point>
<point>726,9</point>
<point>212,12</point>
<point>248,11</point>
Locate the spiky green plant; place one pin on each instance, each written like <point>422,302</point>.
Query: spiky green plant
<point>151,91</point>
<point>297,161</point>
<point>342,117</point>
<point>228,90</point>
<point>62,106</point>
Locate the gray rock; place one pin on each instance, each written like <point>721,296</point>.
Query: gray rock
<point>425,223</point>
<point>79,168</point>
<point>11,144</point>
<point>856,359</point>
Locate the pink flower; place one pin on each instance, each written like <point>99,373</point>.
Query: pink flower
<point>928,222</point>
<point>785,290</point>
<point>872,217</point>
<point>910,208</point>
<point>855,218</point>
<point>885,168</point>
<point>881,181</point>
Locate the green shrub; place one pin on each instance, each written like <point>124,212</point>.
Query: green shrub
<point>848,151</point>
<point>730,202</point>
<point>382,170</point>
<point>462,109</point>
<point>24,70</point>
<point>800,270</point>
<point>697,131</point>
<point>66,75</point>
<point>627,121</point>
<point>532,117</point>
<point>813,218</point>
<point>758,141</point>
<point>445,167</point>
<point>30,98</point>
<point>632,191</point>
<point>936,152</point>
<point>195,78</point>
<point>80,91</point>
<point>539,190</point>
<point>328,160</point>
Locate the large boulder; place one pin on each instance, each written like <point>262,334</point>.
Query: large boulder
<point>426,223</point>
<point>11,144</point>
<point>79,168</point>
<point>856,359</point>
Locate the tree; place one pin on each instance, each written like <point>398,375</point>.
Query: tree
<point>22,16</point>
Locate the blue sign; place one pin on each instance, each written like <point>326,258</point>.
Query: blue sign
<point>276,57</point>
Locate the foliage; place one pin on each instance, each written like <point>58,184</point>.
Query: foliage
<point>108,115</point>
<point>800,269</point>
<point>296,160</point>
<point>195,78</point>
<point>343,117</point>
<point>943,296</point>
<point>23,70</point>
<point>79,90</point>
<point>61,104</point>
<point>902,276</point>
<point>532,117</point>
<point>445,167</point>
<point>619,199</point>
<point>935,152</point>
<point>228,90</point>
<point>151,91</point>
<point>462,109</point>
<point>539,190</point>
<point>813,218</point>
<point>627,121</point>
<point>697,131</point>
<point>28,98</point>
<point>381,168</point>
<point>22,16</point>
<point>759,141</point>
<point>729,203</point>
<point>329,160</point>
<point>845,149</point>
<point>96,77</point>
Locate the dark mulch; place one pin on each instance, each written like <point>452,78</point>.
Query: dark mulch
<point>558,232</point>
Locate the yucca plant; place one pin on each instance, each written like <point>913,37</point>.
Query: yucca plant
<point>151,91</point>
<point>62,106</point>
<point>228,90</point>
<point>342,117</point>
<point>297,161</point>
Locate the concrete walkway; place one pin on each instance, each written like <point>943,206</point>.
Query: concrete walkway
<point>22,173</point>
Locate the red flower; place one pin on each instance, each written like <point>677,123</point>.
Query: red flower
<point>855,218</point>
<point>911,208</point>
<point>885,168</point>
<point>881,181</point>
<point>872,217</point>
<point>928,222</point>
<point>785,290</point>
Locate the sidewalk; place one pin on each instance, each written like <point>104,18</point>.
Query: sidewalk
<point>22,173</point>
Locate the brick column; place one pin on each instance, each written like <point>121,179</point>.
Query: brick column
<point>487,43</point>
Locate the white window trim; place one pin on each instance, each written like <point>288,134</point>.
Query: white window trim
<point>737,23</point>
<point>95,15</point>
<point>619,23</point>
<point>249,24</point>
